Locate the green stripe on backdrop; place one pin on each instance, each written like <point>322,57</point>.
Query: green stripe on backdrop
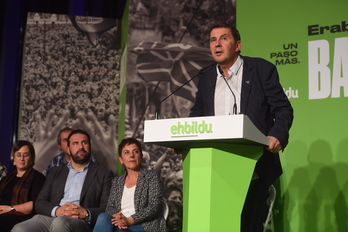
<point>308,41</point>
<point>123,82</point>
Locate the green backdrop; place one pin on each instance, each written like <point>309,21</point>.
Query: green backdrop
<point>308,41</point>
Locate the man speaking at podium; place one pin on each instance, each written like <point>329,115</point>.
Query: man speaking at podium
<point>250,86</point>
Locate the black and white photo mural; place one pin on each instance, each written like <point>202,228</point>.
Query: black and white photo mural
<point>70,79</point>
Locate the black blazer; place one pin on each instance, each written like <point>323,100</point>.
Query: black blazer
<point>94,194</point>
<point>262,100</point>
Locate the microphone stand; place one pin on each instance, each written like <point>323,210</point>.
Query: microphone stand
<point>180,87</point>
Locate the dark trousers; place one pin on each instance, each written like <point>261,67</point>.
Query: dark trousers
<point>255,207</point>
<point>8,220</point>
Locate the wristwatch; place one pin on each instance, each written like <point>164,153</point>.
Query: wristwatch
<point>12,209</point>
<point>87,216</point>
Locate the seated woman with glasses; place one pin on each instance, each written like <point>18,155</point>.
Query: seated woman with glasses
<point>18,190</point>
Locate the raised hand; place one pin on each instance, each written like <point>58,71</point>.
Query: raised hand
<point>45,144</point>
<point>103,143</point>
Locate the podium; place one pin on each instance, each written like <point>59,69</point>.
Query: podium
<point>219,156</point>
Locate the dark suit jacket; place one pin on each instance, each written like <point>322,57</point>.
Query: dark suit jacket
<point>147,200</point>
<point>262,100</point>
<point>94,194</point>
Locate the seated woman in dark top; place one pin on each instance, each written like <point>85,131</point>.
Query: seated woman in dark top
<point>18,190</point>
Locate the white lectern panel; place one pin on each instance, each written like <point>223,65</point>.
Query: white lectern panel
<point>181,131</point>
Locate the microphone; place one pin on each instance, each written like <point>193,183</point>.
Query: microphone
<point>180,87</point>
<point>234,96</point>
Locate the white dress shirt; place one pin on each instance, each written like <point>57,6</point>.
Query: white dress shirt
<point>223,98</point>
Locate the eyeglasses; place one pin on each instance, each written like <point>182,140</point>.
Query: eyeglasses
<point>19,155</point>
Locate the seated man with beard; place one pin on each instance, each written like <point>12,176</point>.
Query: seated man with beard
<point>73,194</point>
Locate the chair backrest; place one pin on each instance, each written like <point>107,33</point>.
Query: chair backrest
<point>270,201</point>
<point>165,209</point>
<point>3,171</point>
<point>272,195</point>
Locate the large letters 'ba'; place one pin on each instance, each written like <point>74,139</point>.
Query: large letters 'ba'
<point>321,83</point>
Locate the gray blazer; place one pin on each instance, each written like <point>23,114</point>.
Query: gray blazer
<point>147,200</point>
<point>94,194</point>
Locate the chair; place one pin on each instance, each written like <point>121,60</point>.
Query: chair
<point>270,201</point>
<point>3,171</point>
<point>165,209</point>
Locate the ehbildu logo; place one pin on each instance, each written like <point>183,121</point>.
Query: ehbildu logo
<point>188,129</point>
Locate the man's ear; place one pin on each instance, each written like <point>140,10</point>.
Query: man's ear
<point>238,46</point>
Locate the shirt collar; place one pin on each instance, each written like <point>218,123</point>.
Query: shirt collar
<point>71,168</point>
<point>235,67</point>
